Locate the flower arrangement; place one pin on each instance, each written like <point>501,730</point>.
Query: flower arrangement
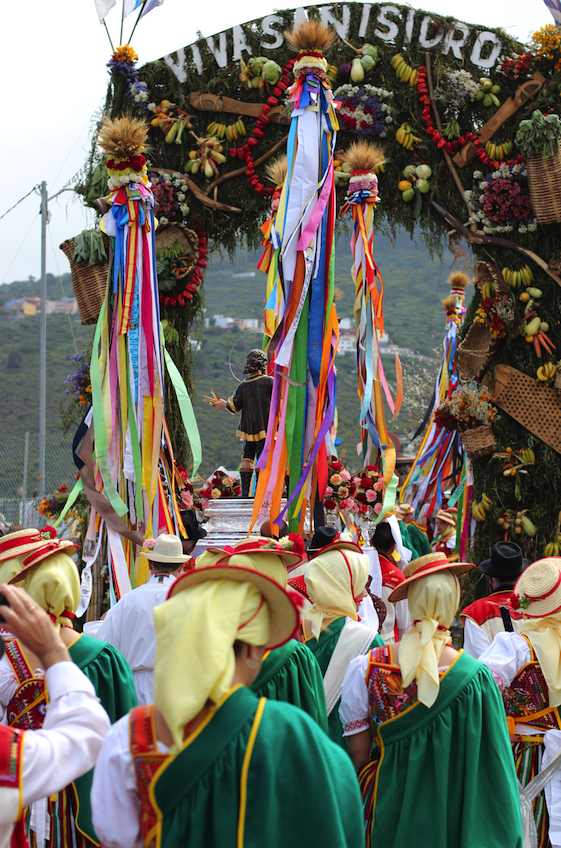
<point>219,485</point>
<point>369,484</point>
<point>170,194</point>
<point>79,384</point>
<point>123,62</point>
<point>467,407</point>
<point>340,490</point>
<point>363,110</point>
<point>515,66</point>
<point>138,95</point>
<point>497,313</point>
<point>456,91</point>
<point>547,44</point>
<point>502,201</point>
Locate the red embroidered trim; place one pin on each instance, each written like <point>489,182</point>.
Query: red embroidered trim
<point>356,724</point>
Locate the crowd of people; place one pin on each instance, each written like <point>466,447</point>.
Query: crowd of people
<point>265,694</point>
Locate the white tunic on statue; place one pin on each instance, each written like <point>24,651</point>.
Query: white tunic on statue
<point>505,657</point>
<point>67,746</point>
<point>129,626</point>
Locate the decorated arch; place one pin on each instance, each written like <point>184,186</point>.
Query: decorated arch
<point>468,121</point>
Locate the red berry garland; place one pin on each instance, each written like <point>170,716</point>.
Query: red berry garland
<point>195,278</point>
<point>462,140</point>
<point>246,152</point>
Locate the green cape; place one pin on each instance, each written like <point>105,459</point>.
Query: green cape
<point>408,540</point>
<point>291,673</point>
<point>446,776</point>
<point>418,539</point>
<point>301,789</point>
<point>322,649</point>
<point>113,682</point>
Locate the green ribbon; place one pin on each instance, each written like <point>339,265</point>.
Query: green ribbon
<point>100,431</point>
<point>136,456</point>
<point>390,495</point>
<point>186,410</point>
<point>69,502</point>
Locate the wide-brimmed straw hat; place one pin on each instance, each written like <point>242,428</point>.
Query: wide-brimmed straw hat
<point>32,545</point>
<point>329,539</point>
<point>422,567</point>
<point>261,545</point>
<point>538,589</point>
<point>450,516</point>
<point>403,509</point>
<point>283,613</point>
<point>168,548</point>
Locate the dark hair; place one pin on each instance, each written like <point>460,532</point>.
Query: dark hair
<point>168,567</point>
<point>382,538</point>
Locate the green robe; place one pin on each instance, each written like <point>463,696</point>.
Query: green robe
<point>292,674</point>
<point>446,776</point>
<point>408,541</point>
<point>300,790</point>
<point>419,539</point>
<point>113,682</point>
<point>322,649</point>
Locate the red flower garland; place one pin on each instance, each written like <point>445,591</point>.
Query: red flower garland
<point>462,140</point>
<point>245,152</point>
<point>195,278</point>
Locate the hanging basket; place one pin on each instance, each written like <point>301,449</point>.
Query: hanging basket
<point>88,281</point>
<point>544,183</point>
<point>476,352</point>
<point>479,441</point>
<point>168,234</point>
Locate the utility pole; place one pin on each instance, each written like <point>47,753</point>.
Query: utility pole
<point>43,341</point>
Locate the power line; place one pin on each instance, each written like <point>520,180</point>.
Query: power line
<point>18,250</point>
<point>20,200</point>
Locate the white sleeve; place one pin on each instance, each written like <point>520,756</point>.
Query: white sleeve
<point>72,734</point>
<point>451,542</point>
<point>368,614</point>
<point>552,744</point>
<point>374,570</point>
<point>110,628</point>
<point>505,656</point>
<point>402,617</point>
<point>353,709</point>
<point>476,640</point>
<point>114,797</point>
<point>8,687</point>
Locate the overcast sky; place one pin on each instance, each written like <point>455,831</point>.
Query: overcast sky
<point>54,79</point>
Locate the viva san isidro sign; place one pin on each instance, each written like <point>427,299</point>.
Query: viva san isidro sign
<point>385,22</point>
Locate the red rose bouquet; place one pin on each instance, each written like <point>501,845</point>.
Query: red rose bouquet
<point>368,488</point>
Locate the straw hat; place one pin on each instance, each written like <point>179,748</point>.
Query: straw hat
<point>449,515</point>
<point>255,545</point>
<point>538,589</point>
<point>283,614</point>
<point>32,545</point>
<point>168,548</point>
<point>403,509</point>
<point>422,567</point>
<point>329,539</point>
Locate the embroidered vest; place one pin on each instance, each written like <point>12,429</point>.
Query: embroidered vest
<point>486,613</point>
<point>387,696</point>
<point>526,700</point>
<point>11,753</point>
<point>147,760</point>
<point>27,708</point>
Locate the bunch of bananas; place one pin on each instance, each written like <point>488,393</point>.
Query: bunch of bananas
<point>553,548</point>
<point>528,456</point>
<point>479,509</point>
<point>406,137</point>
<point>517,278</point>
<point>498,152</point>
<point>230,132</point>
<point>332,72</point>
<point>488,290</point>
<point>546,373</point>
<point>403,71</point>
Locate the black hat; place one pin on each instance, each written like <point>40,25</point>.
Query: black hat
<point>506,561</point>
<point>192,527</point>
<point>322,537</point>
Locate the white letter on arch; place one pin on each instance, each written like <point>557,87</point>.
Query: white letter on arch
<point>494,55</point>
<point>220,55</point>
<point>364,20</point>
<point>341,27</point>
<point>238,36</point>
<point>426,42</point>
<point>392,26</point>
<point>267,27</point>
<point>449,41</point>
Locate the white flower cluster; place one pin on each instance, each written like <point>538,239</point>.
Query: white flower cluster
<point>457,90</point>
<point>125,179</point>
<point>139,92</point>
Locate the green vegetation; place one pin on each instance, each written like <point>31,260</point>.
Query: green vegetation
<point>414,320</point>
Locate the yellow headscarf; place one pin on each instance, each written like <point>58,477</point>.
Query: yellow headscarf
<point>54,584</point>
<point>545,637</point>
<point>433,601</point>
<point>265,563</point>
<point>334,580</point>
<point>9,568</point>
<point>195,633</point>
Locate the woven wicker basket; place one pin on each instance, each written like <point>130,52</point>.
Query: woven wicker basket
<point>89,283</point>
<point>544,183</point>
<point>479,441</point>
<point>476,352</point>
<point>168,234</point>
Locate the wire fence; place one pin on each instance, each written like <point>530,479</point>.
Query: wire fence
<point>19,475</point>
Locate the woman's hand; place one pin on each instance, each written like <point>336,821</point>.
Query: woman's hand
<point>32,626</point>
<point>220,403</point>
